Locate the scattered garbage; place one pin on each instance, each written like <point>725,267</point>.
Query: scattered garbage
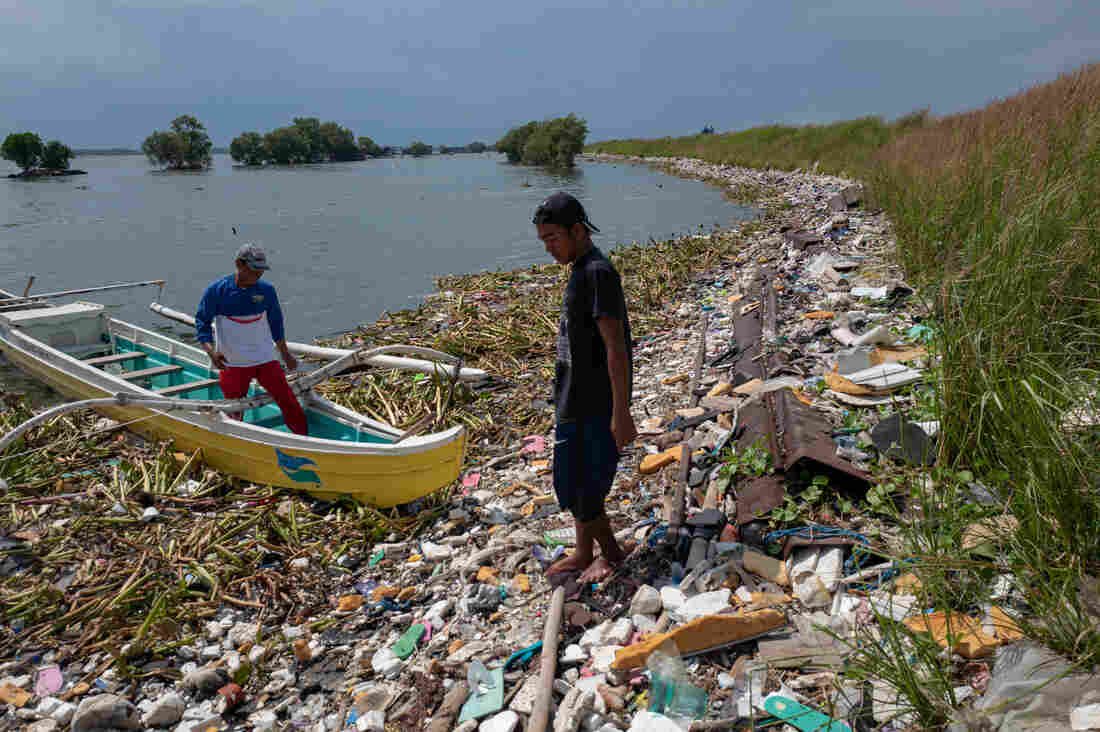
<point>151,591</point>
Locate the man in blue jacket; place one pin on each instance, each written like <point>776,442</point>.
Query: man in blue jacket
<point>239,324</point>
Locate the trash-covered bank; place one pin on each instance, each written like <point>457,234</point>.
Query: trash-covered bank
<point>776,366</point>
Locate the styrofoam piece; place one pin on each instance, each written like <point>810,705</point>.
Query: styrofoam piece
<point>879,335</point>
<point>875,293</point>
<point>1085,717</point>
<point>886,376</point>
<point>930,428</point>
<point>858,401</point>
<point>851,361</point>
<point>802,561</point>
<point>830,567</point>
<point>896,607</point>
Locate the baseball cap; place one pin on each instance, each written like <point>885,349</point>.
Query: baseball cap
<point>564,210</point>
<point>253,256</point>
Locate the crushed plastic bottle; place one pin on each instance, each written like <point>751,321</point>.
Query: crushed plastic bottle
<point>547,557</point>
<point>671,692</point>
<point>479,678</point>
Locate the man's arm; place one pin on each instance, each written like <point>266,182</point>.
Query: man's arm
<point>278,332</point>
<point>622,421</point>
<point>204,327</point>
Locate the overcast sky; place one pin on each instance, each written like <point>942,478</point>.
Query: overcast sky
<point>108,72</point>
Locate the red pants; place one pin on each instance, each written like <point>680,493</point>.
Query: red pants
<point>235,380</point>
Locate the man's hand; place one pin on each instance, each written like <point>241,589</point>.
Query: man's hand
<point>623,429</point>
<point>288,357</point>
<point>216,357</point>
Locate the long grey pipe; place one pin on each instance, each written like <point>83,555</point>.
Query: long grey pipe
<point>385,362</point>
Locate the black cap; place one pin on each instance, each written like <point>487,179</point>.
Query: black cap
<point>564,210</point>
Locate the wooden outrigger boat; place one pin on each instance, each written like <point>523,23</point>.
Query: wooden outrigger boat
<point>166,389</point>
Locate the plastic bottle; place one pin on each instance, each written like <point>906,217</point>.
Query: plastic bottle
<point>479,678</point>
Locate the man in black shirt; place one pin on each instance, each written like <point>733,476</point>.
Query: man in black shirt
<point>592,384</point>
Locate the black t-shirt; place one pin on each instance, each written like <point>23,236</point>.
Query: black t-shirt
<point>582,384</point>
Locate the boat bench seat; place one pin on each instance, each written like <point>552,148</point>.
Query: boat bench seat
<point>155,371</point>
<point>181,388</point>
<point>115,358</point>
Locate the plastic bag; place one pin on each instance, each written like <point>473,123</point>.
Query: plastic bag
<point>671,692</point>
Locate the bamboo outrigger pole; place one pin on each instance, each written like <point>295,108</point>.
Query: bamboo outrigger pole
<point>66,293</point>
<point>465,374</point>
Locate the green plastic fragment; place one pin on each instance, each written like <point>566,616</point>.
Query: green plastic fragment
<point>377,557</point>
<point>405,647</point>
<point>802,717</point>
<point>478,706</point>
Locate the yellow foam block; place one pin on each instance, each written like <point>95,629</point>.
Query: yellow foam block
<point>703,633</point>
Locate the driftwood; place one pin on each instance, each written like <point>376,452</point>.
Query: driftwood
<point>549,663</point>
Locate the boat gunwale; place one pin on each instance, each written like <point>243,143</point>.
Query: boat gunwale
<point>198,357</point>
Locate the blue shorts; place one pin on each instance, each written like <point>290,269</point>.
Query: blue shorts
<point>585,458</point>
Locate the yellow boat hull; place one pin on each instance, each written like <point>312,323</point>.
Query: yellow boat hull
<point>379,478</point>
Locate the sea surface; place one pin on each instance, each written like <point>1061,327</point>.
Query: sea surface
<point>346,241</point>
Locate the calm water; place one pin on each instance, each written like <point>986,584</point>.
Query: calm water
<point>346,241</point>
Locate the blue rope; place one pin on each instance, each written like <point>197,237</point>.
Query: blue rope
<point>814,531</point>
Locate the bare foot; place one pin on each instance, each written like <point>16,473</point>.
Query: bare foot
<point>572,563</point>
<point>625,550</point>
<point>599,570</point>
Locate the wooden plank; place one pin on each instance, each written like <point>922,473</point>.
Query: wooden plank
<point>699,356</point>
<point>155,371</point>
<point>115,358</point>
<point>721,403</point>
<point>181,388</point>
<point>679,505</point>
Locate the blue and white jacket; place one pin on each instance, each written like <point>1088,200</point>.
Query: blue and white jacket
<point>243,323</point>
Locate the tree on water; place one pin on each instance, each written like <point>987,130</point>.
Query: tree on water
<point>515,140</point>
<point>286,146</point>
<point>338,143</point>
<point>186,146</point>
<point>556,143</point>
<point>418,149</point>
<point>310,130</point>
<point>248,148</point>
<point>553,143</point>
<point>56,155</point>
<point>369,148</point>
<point>22,148</point>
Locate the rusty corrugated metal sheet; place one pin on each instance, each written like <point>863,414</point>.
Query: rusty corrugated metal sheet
<point>793,432</point>
<point>805,435</point>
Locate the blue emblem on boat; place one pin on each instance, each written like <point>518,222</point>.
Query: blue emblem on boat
<point>293,467</point>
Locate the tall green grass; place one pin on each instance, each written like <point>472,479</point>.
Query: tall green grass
<point>997,211</point>
<point>840,148</point>
<point>997,216</point>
